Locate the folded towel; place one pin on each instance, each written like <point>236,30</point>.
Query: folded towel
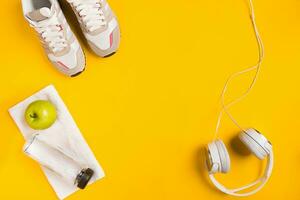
<point>63,134</point>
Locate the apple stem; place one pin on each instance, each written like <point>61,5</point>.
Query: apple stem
<point>34,115</point>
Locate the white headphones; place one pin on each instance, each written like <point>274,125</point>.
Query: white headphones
<point>218,160</point>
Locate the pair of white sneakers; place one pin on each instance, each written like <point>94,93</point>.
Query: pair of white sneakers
<point>96,19</point>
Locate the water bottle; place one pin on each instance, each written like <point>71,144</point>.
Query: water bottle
<point>58,162</point>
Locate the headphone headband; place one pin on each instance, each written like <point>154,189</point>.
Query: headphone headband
<point>262,180</point>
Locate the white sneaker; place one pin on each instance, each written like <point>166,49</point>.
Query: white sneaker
<point>99,25</point>
<point>59,42</point>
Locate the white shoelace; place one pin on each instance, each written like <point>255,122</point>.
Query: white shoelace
<point>50,31</point>
<point>90,12</point>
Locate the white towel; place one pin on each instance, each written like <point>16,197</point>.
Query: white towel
<point>63,134</point>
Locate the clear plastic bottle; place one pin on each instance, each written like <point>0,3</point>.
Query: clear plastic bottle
<point>58,162</point>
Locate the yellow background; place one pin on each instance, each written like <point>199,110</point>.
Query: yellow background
<point>148,110</point>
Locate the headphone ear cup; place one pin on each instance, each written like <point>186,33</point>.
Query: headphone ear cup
<point>224,156</point>
<point>212,158</point>
<point>253,145</point>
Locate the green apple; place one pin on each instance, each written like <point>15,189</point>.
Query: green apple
<point>40,114</point>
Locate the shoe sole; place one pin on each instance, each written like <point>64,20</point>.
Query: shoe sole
<point>78,73</point>
<point>108,55</point>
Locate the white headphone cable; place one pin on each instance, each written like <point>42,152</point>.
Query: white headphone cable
<point>236,192</point>
<point>225,108</point>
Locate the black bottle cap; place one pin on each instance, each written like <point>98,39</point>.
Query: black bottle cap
<point>84,177</point>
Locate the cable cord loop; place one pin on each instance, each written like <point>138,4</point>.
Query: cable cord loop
<point>256,67</point>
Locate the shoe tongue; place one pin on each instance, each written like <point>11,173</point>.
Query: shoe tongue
<point>40,15</point>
